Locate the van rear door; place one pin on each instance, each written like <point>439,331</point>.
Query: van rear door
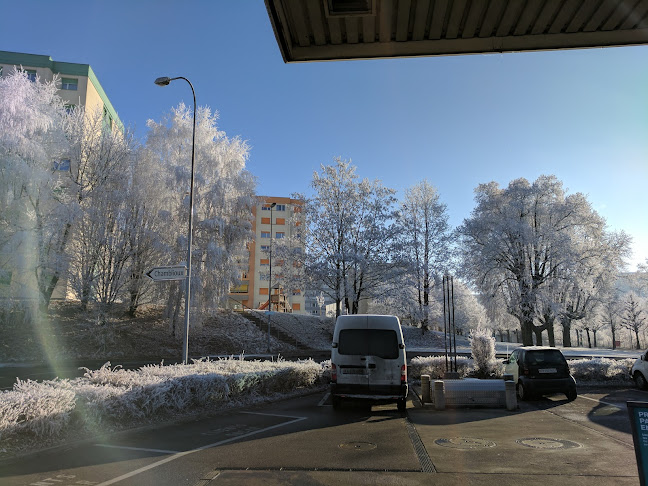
<point>352,358</point>
<point>382,359</point>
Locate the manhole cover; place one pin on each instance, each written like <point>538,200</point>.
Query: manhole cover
<point>357,446</point>
<point>464,443</point>
<point>545,443</point>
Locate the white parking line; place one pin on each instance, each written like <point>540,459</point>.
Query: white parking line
<point>136,449</point>
<point>601,401</point>
<point>323,400</point>
<point>186,453</point>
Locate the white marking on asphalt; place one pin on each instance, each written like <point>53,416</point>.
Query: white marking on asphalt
<point>323,400</point>
<point>274,415</point>
<point>186,453</point>
<point>601,401</point>
<point>161,451</point>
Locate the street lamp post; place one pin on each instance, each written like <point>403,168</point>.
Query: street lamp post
<point>164,81</point>
<point>270,277</point>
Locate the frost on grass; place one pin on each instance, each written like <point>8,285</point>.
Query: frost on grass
<point>110,398</point>
<point>310,331</point>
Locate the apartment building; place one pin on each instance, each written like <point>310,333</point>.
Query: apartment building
<point>78,85</point>
<point>265,277</point>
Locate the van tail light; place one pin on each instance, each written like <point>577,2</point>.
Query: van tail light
<point>333,373</point>
<point>404,374</point>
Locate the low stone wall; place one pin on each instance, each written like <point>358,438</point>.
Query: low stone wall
<point>468,392</point>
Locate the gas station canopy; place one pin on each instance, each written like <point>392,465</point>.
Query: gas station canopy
<point>325,30</point>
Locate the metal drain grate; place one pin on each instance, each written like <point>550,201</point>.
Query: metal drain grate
<point>419,448</point>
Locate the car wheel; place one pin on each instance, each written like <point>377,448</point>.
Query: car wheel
<point>521,392</point>
<point>640,380</point>
<point>402,404</point>
<point>337,402</point>
<point>571,395</point>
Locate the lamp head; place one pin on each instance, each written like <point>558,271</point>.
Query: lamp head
<point>273,204</point>
<point>163,81</point>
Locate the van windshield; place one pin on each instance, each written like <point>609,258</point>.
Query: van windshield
<point>369,342</point>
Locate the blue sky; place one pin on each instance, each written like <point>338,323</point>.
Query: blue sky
<point>456,121</point>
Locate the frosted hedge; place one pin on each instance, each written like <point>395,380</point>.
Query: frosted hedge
<point>600,371</point>
<point>111,398</point>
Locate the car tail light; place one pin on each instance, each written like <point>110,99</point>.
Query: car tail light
<point>333,373</point>
<point>403,373</point>
<point>525,371</point>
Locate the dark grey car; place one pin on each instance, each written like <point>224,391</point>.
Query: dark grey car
<point>539,370</point>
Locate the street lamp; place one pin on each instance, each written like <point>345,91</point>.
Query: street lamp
<point>270,277</point>
<point>164,81</point>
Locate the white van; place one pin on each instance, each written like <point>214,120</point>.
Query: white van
<point>368,360</point>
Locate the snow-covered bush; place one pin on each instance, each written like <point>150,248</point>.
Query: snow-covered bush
<point>113,397</point>
<point>38,409</point>
<point>435,366</point>
<point>601,371</point>
<point>482,346</point>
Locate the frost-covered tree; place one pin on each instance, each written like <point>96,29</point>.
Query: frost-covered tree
<point>33,209</point>
<point>223,201</point>
<point>468,312</point>
<point>634,316</point>
<point>423,242</point>
<point>520,239</point>
<point>610,312</point>
<point>348,235</point>
<point>98,183</point>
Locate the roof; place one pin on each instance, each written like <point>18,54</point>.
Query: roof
<point>319,30</point>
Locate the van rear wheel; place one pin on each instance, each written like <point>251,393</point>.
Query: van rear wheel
<point>402,404</point>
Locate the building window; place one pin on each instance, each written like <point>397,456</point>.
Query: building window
<point>265,220</point>
<point>63,165</point>
<point>296,292</point>
<point>265,234</point>
<point>264,261</point>
<point>31,75</point>
<point>280,207</point>
<point>264,276</point>
<point>71,84</point>
<point>263,291</point>
<point>266,207</point>
<point>70,108</point>
<point>280,221</point>
<point>280,234</point>
<point>296,306</point>
<point>265,247</point>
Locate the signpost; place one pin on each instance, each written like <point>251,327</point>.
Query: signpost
<point>639,421</point>
<point>175,272</point>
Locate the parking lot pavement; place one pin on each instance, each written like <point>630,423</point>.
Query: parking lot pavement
<point>551,440</point>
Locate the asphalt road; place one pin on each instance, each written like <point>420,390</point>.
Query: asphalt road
<point>303,441</point>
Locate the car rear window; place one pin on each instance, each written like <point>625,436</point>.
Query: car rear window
<point>546,357</point>
<point>369,342</point>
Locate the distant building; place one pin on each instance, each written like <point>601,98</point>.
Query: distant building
<point>254,291</point>
<point>78,85</point>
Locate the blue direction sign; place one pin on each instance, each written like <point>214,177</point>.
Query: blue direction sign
<point>175,272</point>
